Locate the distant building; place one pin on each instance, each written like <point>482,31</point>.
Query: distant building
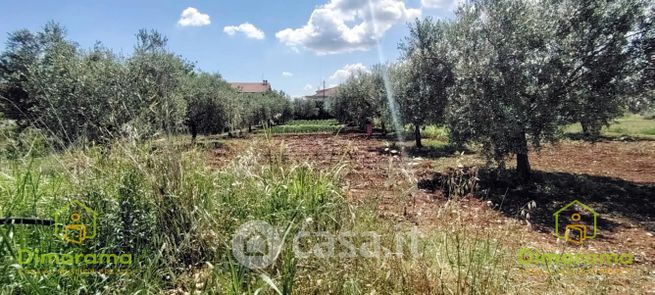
<point>324,99</point>
<point>248,87</point>
<point>324,94</point>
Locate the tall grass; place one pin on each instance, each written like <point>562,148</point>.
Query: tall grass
<point>161,203</point>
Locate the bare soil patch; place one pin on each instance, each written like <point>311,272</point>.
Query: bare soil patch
<point>630,161</point>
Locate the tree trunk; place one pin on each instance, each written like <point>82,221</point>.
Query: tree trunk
<point>590,129</point>
<point>384,128</point>
<point>194,132</point>
<point>523,170</point>
<point>417,135</point>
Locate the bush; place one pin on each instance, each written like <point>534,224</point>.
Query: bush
<point>306,129</point>
<point>30,142</point>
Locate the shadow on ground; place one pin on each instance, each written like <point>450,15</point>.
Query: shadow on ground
<point>624,137</point>
<point>429,152</point>
<point>612,198</point>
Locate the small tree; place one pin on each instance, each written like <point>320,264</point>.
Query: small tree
<point>156,77</point>
<point>593,44</point>
<point>304,109</point>
<point>21,55</point>
<point>426,76</point>
<point>204,94</point>
<point>356,101</point>
<point>505,94</point>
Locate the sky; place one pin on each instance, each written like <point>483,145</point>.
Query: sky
<point>294,44</point>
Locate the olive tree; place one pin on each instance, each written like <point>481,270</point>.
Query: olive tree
<point>304,109</point>
<point>156,76</point>
<point>19,57</point>
<point>205,95</point>
<point>505,95</point>
<point>642,46</point>
<point>593,40</point>
<point>357,101</point>
<point>425,75</point>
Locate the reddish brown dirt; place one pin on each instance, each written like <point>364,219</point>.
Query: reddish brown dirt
<point>631,161</point>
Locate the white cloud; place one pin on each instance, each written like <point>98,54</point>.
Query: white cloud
<point>347,25</point>
<point>287,74</point>
<point>247,29</point>
<point>308,87</point>
<point>347,71</point>
<point>193,17</point>
<point>444,4</point>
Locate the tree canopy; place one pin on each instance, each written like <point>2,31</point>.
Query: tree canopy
<point>48,82</point>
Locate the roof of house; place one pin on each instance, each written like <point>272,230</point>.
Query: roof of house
<point>327,92</point>
<point>249,87</point>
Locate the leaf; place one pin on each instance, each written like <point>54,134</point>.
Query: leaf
<point>270,282</point>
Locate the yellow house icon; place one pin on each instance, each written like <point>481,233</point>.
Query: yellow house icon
<point>575,232</point>
<point>75,222</point>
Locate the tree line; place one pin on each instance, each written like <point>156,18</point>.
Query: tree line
<point>507,74</point>
<point>49,83</point>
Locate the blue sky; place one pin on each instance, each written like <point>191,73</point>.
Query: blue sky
<point>295,44</point>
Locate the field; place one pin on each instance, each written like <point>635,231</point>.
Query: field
<point>193,200</point>
<point>387,147</point>
<point>620,186</point>
<point>615,177</point>
<point>307,126</point>
<point>629,125</point>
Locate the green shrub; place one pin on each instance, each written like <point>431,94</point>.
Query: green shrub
<point>305,129</point>
<point>314,122</point>
<point>30,142</point>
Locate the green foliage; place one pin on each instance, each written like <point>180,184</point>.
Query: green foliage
<point>306,129</point>
<point>593,40</point>
<point>307,126</point>
<point>423,80</point>
<point>362,98</point>
<point>77,96</point>
<point>506,78</point>
<point>157,76</point>
<point>314,122</point>
<point>163,205</point>
<point>636,126</point>
<point>523,69</point>
<point>269,108</point>
<point>305,109</point>
<point>206,96</point>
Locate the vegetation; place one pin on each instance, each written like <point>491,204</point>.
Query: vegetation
<point>634,126</point>
<point>361,98</point>
<point>508,74</point>
<point>307,126</point>
<point>504,76</point>
<point>78,96</point>
<point>166,208</point>
<point>426,77</point>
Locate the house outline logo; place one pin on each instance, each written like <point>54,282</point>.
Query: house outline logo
<point>71,227</point>
<point>580,228</point>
